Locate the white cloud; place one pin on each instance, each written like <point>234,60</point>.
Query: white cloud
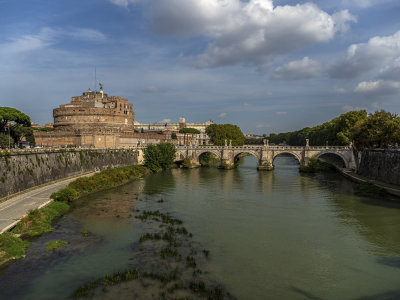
<point>342,19</point>
<point>122,3</point>
<point>152,90</point>
<point>263,126</point>
<point>366,3</point>
<point>281,113</point>
<point>378,87</point>
<point>47,37</point>
<point>364,57</point>
<point>300,69</point>
<point>339,90</point>
<point>222,115</point>
<point>83,34</point>
<point>246,32</point>
<point>347,108</point>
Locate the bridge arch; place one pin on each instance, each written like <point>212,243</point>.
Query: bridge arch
<point>213,161</point>
<point>335,154</point>
<point>252,153</point>
<point>294,154</point>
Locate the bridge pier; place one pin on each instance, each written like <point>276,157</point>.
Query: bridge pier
<point>265,165</point>
<point>227,164</point>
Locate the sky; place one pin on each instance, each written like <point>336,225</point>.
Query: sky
<point>266,66</point>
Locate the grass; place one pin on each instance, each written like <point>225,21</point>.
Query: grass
<point>104,180</point>
<point>38,221</point>
<point>54,245</point>
<point>11,247</point>
<point>368,188</point>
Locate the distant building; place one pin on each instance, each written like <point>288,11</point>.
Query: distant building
<point>183,139</point>
<point>97,120</point>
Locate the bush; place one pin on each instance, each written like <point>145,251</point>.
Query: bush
<point>160,156</point>
<point>66,194</point>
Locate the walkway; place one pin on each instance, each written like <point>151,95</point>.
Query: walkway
<point>391,189</point>
<point>13,209</point>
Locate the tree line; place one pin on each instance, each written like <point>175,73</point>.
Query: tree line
<point>380,129</point>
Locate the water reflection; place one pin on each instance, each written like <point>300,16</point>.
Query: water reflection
<point>279,235</point>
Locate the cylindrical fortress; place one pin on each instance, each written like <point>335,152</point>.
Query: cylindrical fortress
<point>95,111</point>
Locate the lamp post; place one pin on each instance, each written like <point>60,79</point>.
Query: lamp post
<point>9,137</point>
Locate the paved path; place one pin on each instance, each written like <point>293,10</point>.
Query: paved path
<point>17,207</point>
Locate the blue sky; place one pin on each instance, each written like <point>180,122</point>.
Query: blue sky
<point>267,66</point>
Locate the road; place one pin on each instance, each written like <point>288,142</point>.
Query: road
<point>13,209</point>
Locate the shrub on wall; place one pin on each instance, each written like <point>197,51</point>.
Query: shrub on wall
<point>160,156</point>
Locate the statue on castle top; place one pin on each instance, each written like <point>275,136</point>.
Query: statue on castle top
<point>101,86</point>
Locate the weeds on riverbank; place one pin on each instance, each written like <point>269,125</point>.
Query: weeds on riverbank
<point>368,188</point>
<point>104,180</point>
<point>38,221</point>
<point>172,281</point>
<point>11,247</point>
<point>54,245</point>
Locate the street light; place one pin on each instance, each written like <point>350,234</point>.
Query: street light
<point>9,137</point>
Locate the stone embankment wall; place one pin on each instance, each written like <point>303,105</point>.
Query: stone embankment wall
<point>379,164</point>
<point>20,171</point>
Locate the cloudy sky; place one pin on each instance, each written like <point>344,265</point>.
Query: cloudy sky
<point>267,66</point>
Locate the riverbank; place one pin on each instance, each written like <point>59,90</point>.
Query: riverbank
<point>38,221</point>
<point>388,188</point>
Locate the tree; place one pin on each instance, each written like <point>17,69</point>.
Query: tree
<point>335,132</point>
<point>218,133</point>
<point>18,132</point>
<point>20,124</point>
<point>380,129</point>
<point>173,136</point>
<point>9,114</point>
<point>160,156</point>
<point>189,130</point>
<point>4,143</point>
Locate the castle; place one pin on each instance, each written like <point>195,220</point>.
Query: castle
<point>96,120</point>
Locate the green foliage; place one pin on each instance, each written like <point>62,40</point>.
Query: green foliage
<point>4,140</point>
<point>336,132</point>
<point>189,130</point>
<point>99,182</point>
<point>54,245</point>
<point>380,129</point>
<point>11,247</point>
<point>20,124</point>
<point>218,133</point>
<point>160,156</point>
<point>39,221</point>
<point>9,114</point>
<point>368,188</point>
<point>173,136</point>
<point>209,160</point>
<point>66,194</point>
<point>311,167</point>
<point>45,129</point>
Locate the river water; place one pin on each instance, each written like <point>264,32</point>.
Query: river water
<point>271,235</point>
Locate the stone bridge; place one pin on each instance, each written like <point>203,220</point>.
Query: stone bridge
<point>265,154</point>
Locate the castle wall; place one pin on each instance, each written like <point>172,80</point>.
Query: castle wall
<point>20,171</point>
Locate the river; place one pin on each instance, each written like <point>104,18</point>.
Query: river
<point>270,235</point>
